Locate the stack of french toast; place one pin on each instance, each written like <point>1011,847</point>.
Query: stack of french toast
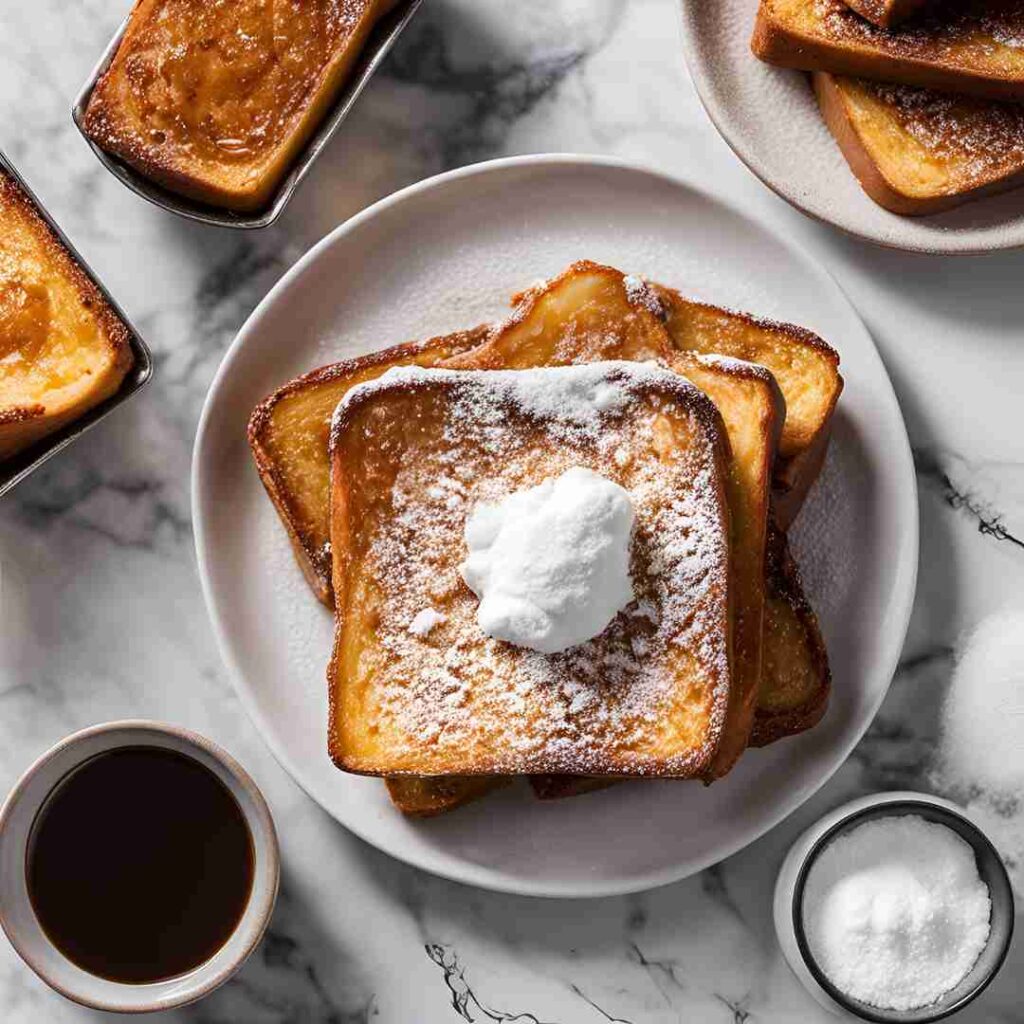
<point>714,422</point>
<point>924,97</point>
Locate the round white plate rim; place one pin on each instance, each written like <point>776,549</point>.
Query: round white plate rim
<point>945,243</point>
<point>905,573</point>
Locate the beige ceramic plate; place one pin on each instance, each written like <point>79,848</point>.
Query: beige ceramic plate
<point>770,119</point>
<point>447,253</point>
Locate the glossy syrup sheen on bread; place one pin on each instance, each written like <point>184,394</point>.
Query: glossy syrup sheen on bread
<point>214,98</point>
<point>919,151</point>
<point>973,47</point>
<point>63,349</point>
<point>411,453</point>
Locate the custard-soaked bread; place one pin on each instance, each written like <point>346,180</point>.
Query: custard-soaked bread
<point>288,437</point>
<point>805,368</point>
<point>752,411</point>
<point>411,455</point>
<point>215,98</point>
<point>419,797</point>
<point>967,46</point>
<point>886,13</point>
<point>795,677</point>
<point>586,314</point>
<point>794,655</point>
<point>63,349</point>
<point>918,151</point>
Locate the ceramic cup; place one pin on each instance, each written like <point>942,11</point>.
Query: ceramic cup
<point>788,906</point>
<point>18,918</point>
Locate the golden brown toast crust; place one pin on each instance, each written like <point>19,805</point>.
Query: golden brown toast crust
<point>214,98</point>
<point>795,658</point>
<point>588,313</point>
<point>63,349</point>
<point>886,13</point>
<point>753,411</point>
<point>959,47</point>
<point>429,797</point>
<point>796,681</point>
<point>288,438</point>
<point>916,151</point>
<point>805,367</point>
<point>598,708</point>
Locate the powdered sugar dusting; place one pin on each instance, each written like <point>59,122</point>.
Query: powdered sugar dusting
<point>976,139</point>
<point>614,703</point>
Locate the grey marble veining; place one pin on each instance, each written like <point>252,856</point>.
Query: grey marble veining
<point>101,615</point>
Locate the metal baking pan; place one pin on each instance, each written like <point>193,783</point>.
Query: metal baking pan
<point>17,467</point>
<point>380,41</point>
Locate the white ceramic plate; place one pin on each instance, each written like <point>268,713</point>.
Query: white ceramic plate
<point>447,253</point>
<point>770,119</point>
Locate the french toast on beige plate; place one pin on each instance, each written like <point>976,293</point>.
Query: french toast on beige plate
<point>964,46</point>
<point>919,151</point>
<point>214,98</point>
<point>63,349</point>
<point>414,450</point>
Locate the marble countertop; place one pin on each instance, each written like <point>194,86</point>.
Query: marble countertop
<point>102,615</point>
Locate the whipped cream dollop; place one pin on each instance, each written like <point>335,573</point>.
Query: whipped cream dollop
<point>550,563</point>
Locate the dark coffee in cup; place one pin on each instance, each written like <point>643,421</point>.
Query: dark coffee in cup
<point>139,864</point>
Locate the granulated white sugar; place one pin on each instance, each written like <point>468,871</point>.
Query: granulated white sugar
<point>980,757</point>
<point>895,912</point>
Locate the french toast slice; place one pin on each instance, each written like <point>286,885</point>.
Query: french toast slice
<point>795,662</point>
<point>288,438</point>
<point>918,151</point>
<point>805,367</point>
<point>886,13</point>
<point>63,349</point>
<point>964,47</point>
<point>215,100</point>
<point>589,311</point>
<point>411,454</point>
<point>419,797</point>
<point>795,677</point>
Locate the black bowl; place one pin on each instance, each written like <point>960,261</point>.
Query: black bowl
<point>993,874</point>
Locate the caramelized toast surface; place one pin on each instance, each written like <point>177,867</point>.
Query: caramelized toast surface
<point>411,454</point>
<point>288,437</point>
<point>63,349</point>
<point>794,656</point>
<point>966,47</point>
<point>886,13</point>
<point>215,98</point>
<point>752,411</point>
<point>539,334</point>
<point>918,151</point>
<point>805,368</point>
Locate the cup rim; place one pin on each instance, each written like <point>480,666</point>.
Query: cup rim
<point>899,804</point>
<point>258,821</point>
